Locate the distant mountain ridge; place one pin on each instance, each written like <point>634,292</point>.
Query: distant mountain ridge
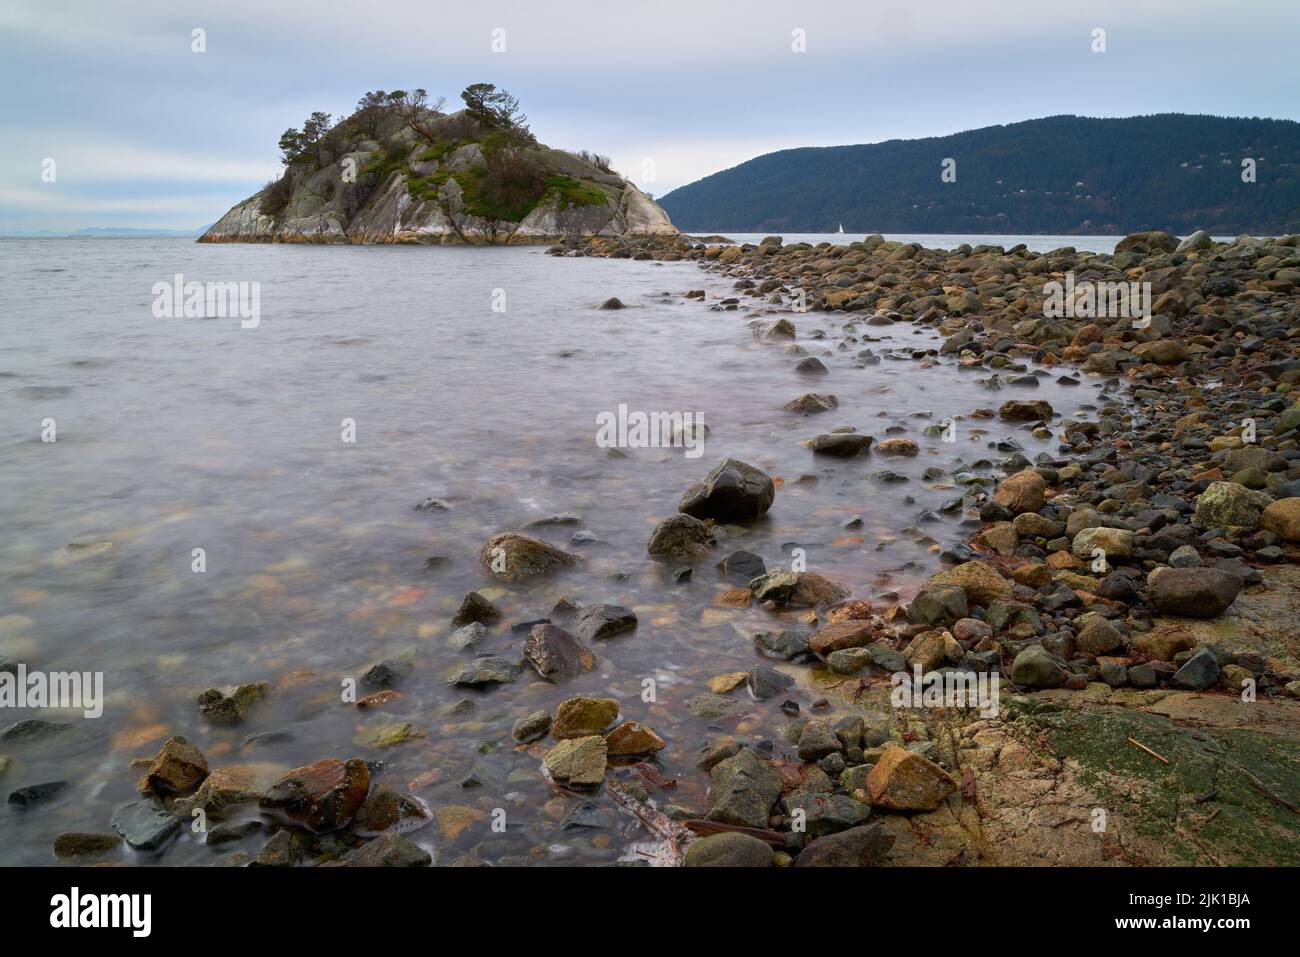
<point>105,232</point>
<point>1059,174</point>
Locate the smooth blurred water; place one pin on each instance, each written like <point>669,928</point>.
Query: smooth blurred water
<point>177,434</point>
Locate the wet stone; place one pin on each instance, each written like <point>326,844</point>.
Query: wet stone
<point>475,608</point>
<point>824,814</point>
<point>488,670</point>
<point>84,843</point>
<point>743,789</point>
<point>34,794</point>
<point>598,622</point>
<point>782,644</point>
<point>581,717</point>
<point>468,637</point>
<point>555,654</point>
<point>741,567</point>
<point>33,729</point>
<point>144,825</point>
<point>764,683</point>
<point>386,674</point>
<point>231,704</point>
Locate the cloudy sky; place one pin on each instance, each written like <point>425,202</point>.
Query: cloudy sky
<point>145,132</point>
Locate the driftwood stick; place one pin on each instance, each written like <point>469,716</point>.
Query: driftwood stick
<point>705,828</point>
<point>1139,744</point>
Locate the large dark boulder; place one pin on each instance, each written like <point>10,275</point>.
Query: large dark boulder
<point>732,492</point>
<point>1193,592</point>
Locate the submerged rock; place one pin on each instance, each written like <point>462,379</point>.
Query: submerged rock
<point>598,622</point>
<point>512,557</point>
<point>474,609</point>
<point>488,670</point>
<point>389,850</point>
<point>231,704</point>
<point>555,654</point>
<point>680,538</point>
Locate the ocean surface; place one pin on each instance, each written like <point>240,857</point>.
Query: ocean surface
<point>177,434</point>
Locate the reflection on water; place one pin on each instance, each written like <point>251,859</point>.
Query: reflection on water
<point>176,435</point>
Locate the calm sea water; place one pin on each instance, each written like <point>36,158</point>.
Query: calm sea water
<point>180,434</point>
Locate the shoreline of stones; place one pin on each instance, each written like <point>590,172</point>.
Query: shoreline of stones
<point>1087,565</point>
<point>1165,508</point>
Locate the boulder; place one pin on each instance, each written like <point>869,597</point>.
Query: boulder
<point>842,634</point>
<point>824,814</point>
<point>321,797</point>
<point>231,704</point>
<point>144,825</point>
<point>511,557</point>
<point>483,671</point>
<point>1034,667</point>
<point>841,444</point>
<point>1192,592</point>
<point>177,768</point>
<point>1116,542</point>
<point>938,605</point>
<point>1227,504</point>
<point>813,402</point>
<point>1163,643</point>
<point>598,622</point>
<point>1152,241</point>
<point>556,654</point>
<point>1022,492</point>
<point>1164,352</point>
<point>680,538</point>
<point>222,791</point>
<point>729,849</point>
<point>732,492</point>
<point>631,738</point>
<point>903,780</point>
<point>389,850</point>
<point>581,717</point>
<point>797,589</point>
<point>863,846</point>
<point>474,609</point>
<point>979,580</point>
<point>1025,410</point>
<point>579,762</point>
<point>1199,672</point>
<point>742,789</point>
<point>1282,518</point>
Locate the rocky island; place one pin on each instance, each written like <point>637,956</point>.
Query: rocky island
<point>401,170</point>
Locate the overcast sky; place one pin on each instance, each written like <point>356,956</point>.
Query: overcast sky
<point>145,132</point>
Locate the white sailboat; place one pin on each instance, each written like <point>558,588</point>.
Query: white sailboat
<point>841,229</point>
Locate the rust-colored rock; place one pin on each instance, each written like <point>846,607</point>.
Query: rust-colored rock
<point>853,633</point>
<point>178,767</point>
<point>903,780</point>
<point>321,797</point>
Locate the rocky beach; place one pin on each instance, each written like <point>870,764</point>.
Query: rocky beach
<point>1135,587</point>
<point>718,683</point>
